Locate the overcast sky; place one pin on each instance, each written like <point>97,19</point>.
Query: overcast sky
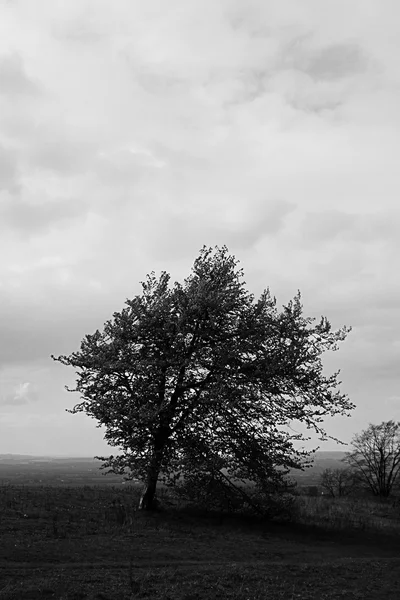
<point>133,132</point>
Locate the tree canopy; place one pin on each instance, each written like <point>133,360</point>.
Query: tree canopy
<point>201,376</point>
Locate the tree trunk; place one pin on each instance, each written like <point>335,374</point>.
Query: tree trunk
<point>147,500</point>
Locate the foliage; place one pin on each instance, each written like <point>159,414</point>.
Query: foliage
<point>312,490</point>
<point>210,492</point>
<point>338,482</point>
<point>201,376</point>
<point>376,457</point>
<point>281,504</point>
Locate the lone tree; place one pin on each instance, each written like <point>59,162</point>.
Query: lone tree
<point>201,377</point>
<point>338,482</point>
<point>376,457</point>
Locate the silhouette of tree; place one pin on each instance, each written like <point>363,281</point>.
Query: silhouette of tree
<point>376,457</point>
<point>202,377</point>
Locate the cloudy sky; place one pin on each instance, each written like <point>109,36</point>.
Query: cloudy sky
<point>132,133</point>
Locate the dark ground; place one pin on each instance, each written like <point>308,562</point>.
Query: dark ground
<point>68,544</point>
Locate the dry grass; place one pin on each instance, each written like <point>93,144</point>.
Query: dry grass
<point>366,514</point>
<point>75,543</point>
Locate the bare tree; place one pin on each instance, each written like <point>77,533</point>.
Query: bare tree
<point>338,482</point>
<point>376,457</point>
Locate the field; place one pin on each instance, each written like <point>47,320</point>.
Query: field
<point>88,542</point>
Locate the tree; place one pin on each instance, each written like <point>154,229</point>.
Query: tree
<point>338,482</point>
<point>376,457</point>
<point>201,377</point>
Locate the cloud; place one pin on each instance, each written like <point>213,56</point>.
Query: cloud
<point>9,175</point>
<point>258,220</point>
<point>325,226</point>
<point>327,63</point>
<point>29,219</point>
<point>84,27</point>
<point>57,152</point>
<point>331,225</point>
<point>126,166</point>
<point>394,401</point>
<point>22,393</point>
<point>14,80</point>
<point>131,134</point>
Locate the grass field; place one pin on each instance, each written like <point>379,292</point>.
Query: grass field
<point>73,543</point>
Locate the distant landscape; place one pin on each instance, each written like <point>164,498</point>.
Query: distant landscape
<point>25,469</point>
